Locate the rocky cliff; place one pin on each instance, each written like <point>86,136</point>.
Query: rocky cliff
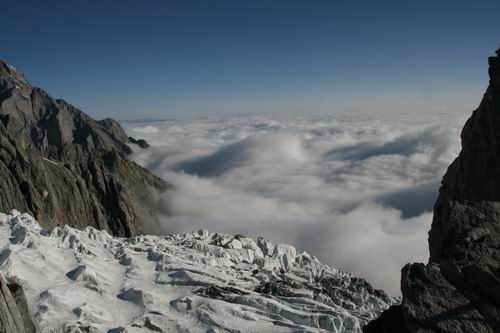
<point>62,166</point>
<point>459,289</point>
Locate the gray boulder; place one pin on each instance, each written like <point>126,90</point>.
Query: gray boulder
<point>64,167</point>
<point>459,289</point>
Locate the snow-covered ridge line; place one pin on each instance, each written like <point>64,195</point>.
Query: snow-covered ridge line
<point>87,280</point>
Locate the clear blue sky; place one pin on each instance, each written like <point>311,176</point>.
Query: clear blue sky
<point>137,59</point>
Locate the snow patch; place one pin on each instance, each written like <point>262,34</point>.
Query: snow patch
<point>87,280</point>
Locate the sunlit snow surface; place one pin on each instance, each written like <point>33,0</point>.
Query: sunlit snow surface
<point>88,281</point>
<point>355,190</point>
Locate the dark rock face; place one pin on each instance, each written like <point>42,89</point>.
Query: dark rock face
<point>140,142</point>
<point>391,320</point>
<point>14,315</point>
<point>63,167</point>
<point>459,289</point>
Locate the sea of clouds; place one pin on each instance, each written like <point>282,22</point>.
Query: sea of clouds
<point>354,190</point>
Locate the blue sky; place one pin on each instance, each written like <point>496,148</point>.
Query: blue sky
<point>161,59</point>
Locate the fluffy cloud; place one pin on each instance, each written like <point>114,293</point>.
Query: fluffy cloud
<point>354,190</point>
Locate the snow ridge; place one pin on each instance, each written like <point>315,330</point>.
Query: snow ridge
<point>88,281</point>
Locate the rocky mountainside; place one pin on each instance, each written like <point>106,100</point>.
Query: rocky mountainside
<point>459,289</point>
<point>64,167</point>
<point>90,281</point>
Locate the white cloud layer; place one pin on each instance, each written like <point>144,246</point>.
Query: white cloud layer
<point>356,190</point>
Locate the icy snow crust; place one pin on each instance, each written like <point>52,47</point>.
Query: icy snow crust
<point>89,281</point>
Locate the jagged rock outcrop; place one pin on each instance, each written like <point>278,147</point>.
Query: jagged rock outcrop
<point>14,317</point>
<point>459,289</point>
<point>64,167</point>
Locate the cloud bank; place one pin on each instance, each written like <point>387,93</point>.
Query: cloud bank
<point>356,190</point>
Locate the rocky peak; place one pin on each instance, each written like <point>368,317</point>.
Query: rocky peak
<point>34,117</point>
<point>459,289</point>
<point>62,166</point>
<point>494,70</point>
<point>471,186</point>
<point>10,77</point>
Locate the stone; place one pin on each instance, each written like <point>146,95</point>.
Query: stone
<point>14,318</point>
<point>140,142</point>
<point>459,289</point>
<point>391,320</point>
<point>64,167</point>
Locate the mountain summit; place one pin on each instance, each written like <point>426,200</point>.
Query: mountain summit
<point>64,167</point>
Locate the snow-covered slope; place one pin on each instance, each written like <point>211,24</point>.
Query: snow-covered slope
<point>89,281</point>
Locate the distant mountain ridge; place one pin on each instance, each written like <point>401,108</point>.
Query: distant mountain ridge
<point>459,289</point>
<point>64,167</point>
